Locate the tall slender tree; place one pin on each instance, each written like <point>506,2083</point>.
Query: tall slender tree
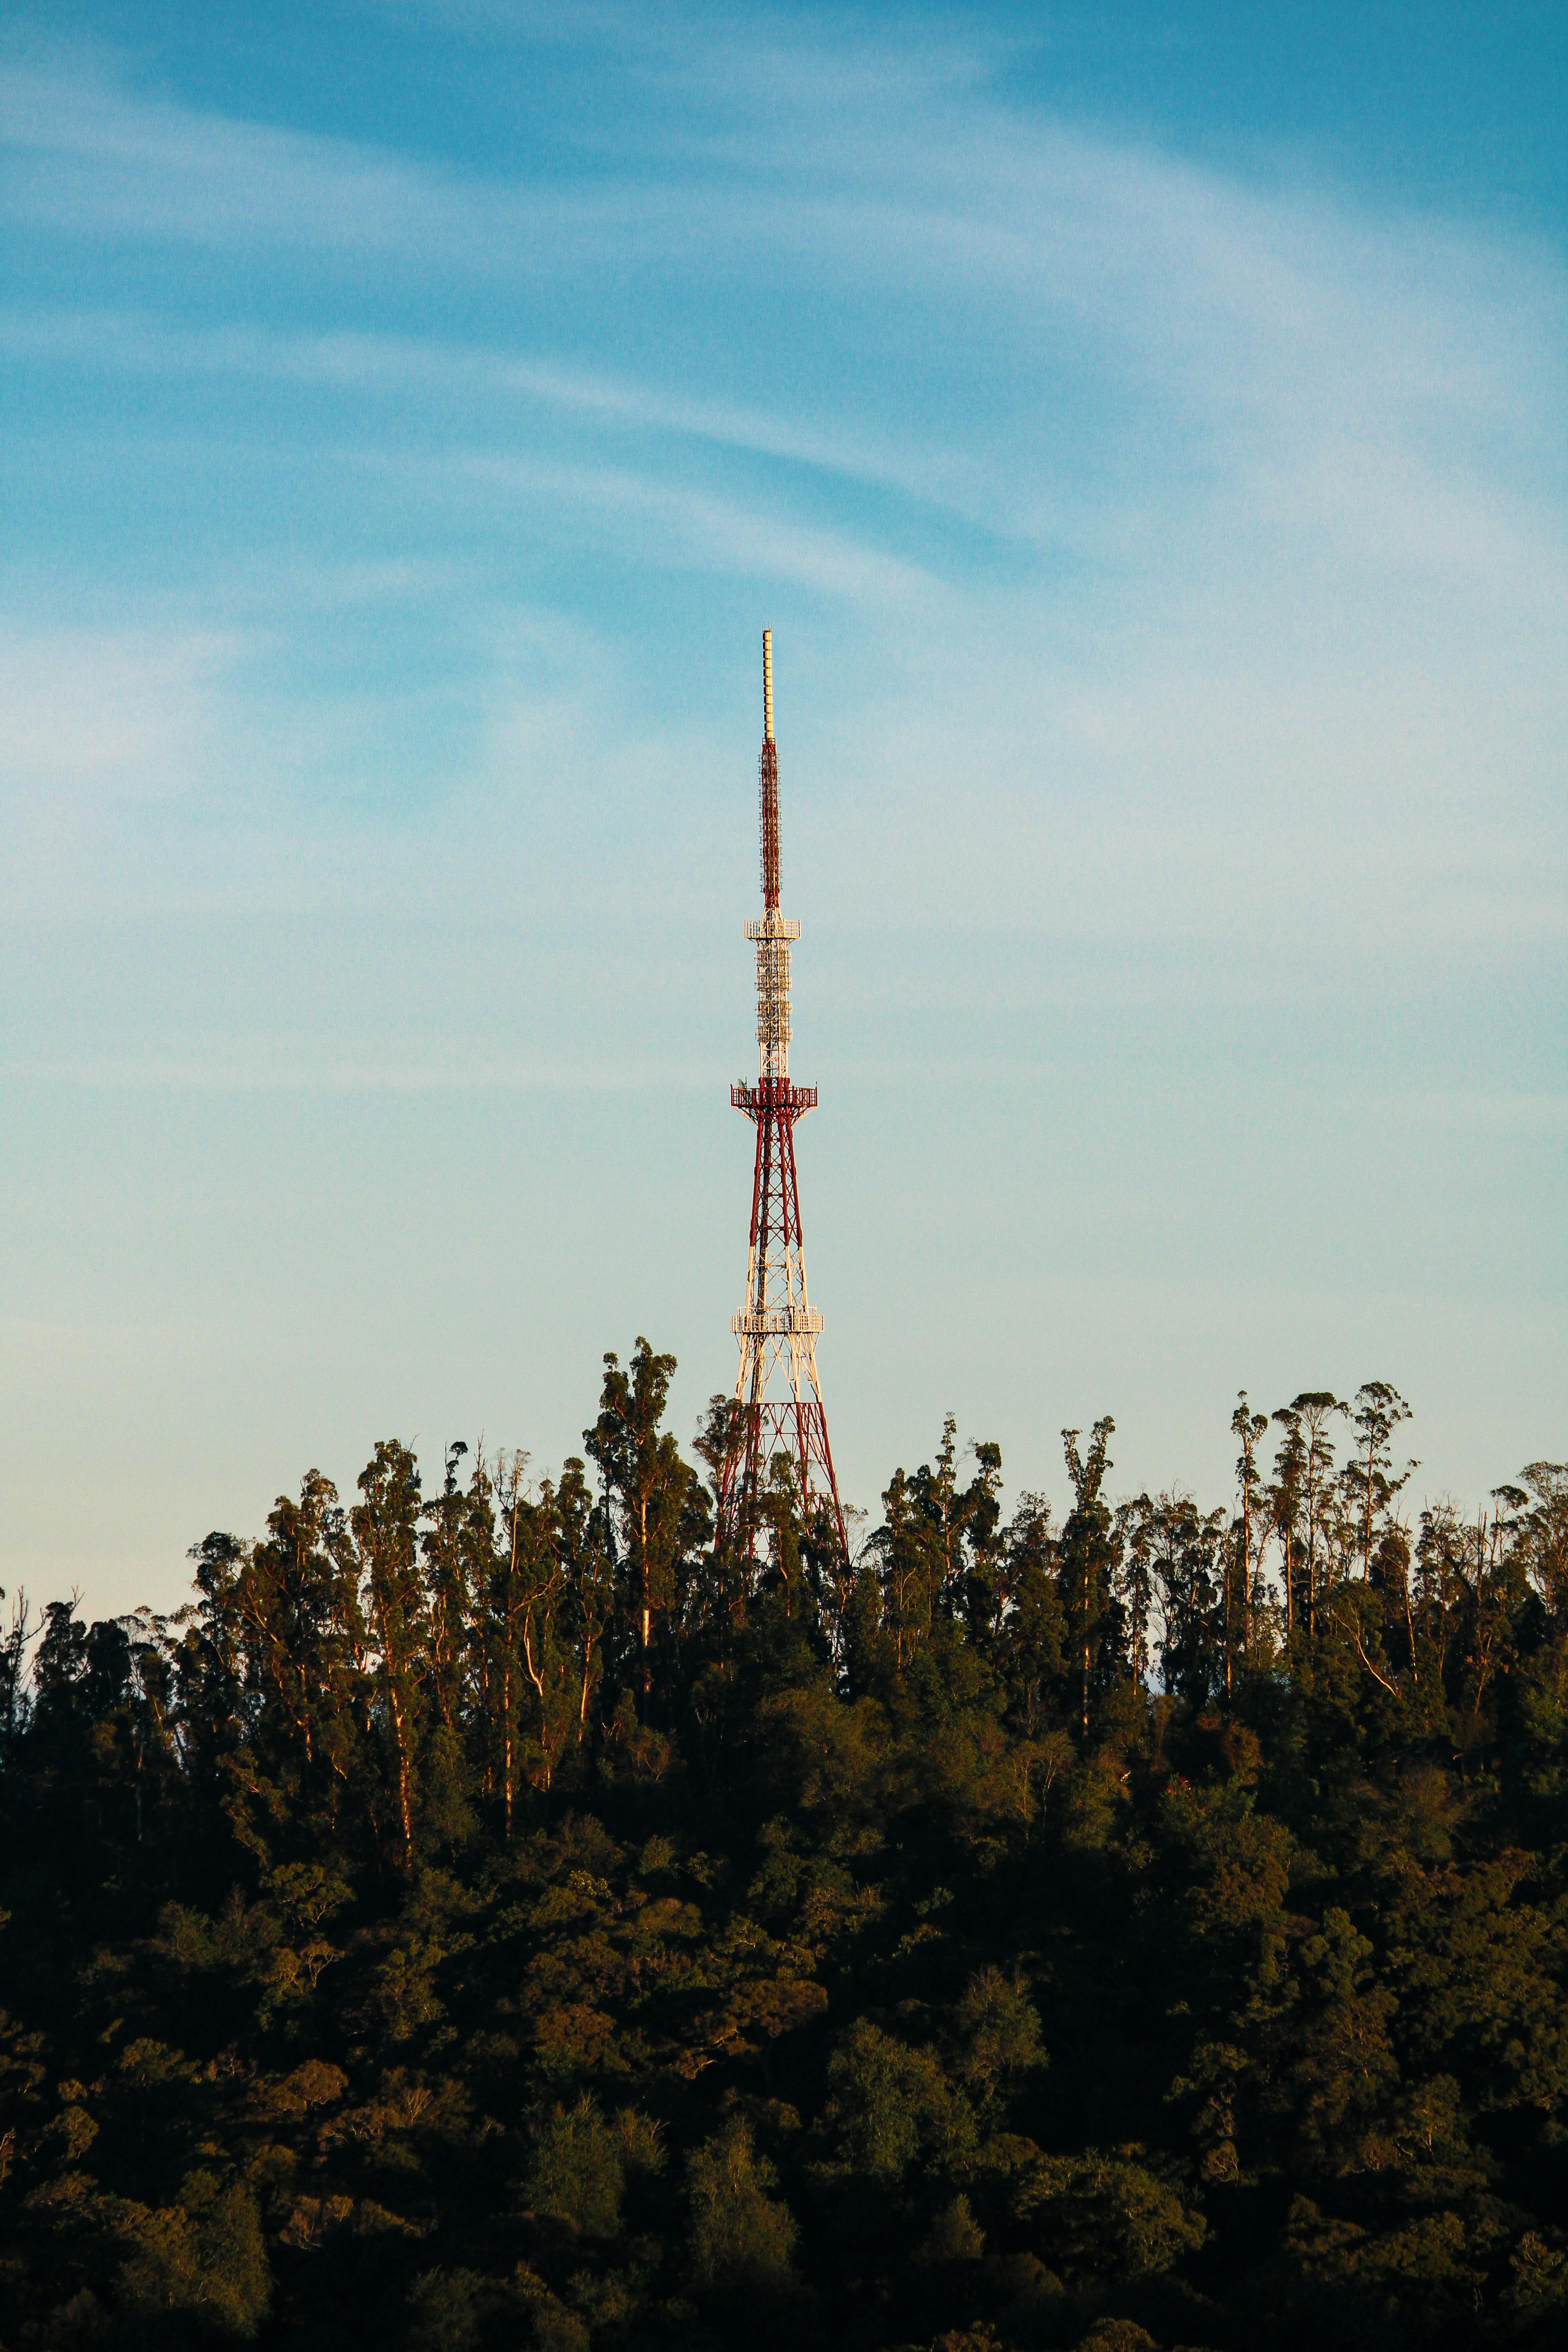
<point>647,1482</point>
<point>1088,1554</point>
<point>1249,1429</point>
<point>385,1525</point>
<point>1368,1475</point>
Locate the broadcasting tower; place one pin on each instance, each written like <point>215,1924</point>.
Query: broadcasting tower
<point>777,1387</point>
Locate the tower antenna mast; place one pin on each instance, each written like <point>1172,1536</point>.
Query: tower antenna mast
<point>777,1389</point>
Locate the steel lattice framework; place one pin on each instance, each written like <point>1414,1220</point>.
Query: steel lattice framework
<point>776,1386</point>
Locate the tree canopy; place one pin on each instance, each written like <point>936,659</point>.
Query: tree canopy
<point>513,1912</point>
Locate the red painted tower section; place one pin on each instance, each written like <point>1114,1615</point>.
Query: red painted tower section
<point>776,1384</point>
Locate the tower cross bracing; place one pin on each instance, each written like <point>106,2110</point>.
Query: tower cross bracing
<point>777,1389</point>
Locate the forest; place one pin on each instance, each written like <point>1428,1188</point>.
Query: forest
<point>504,1910</point>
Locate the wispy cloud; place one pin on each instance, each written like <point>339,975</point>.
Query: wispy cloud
<point>86,711</point>
<point>1170,568</point>
<point>1080,288</point>
<point>675,526</point>
<point>410,369</point>
<point>91,157</point>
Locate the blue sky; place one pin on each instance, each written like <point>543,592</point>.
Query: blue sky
<point>1146,433</point>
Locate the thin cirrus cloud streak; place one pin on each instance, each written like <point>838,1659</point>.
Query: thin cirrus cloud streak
<point>1330,431</point>
<point>683,526</point>
<point>1127,239</point>
<point>90,158</point>
<point>404,367</point>
<point>1276,334</point>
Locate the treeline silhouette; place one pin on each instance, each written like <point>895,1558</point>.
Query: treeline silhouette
<point>515,1916</point>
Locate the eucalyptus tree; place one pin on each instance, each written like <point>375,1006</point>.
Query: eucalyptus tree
<point>1032,1630</point>
<point>1368,1478</point>
<point>385,1528</point>
<point>647,1484</point>
<point>1544,1530</point>
<point>1302,1495</point>
<point>1089,1553</point>
<point>298,1602</point>
<point>909,1553</point>
<point>1249,1429</point>
<point>582,1539</point>
<point>1184,1553</point>
<point>14,1648</point>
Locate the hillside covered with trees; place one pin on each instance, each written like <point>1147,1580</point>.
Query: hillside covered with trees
<point>502,1916</point>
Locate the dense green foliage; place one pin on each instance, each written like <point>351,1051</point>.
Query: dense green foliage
<point>510,1917</point>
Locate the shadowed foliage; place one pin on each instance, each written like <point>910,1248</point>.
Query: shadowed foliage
<point>507,1917</point>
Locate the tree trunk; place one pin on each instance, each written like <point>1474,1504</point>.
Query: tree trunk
<point>506,1741</point>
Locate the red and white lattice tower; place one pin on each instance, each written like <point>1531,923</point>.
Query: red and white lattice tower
<point>777,1387</point>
